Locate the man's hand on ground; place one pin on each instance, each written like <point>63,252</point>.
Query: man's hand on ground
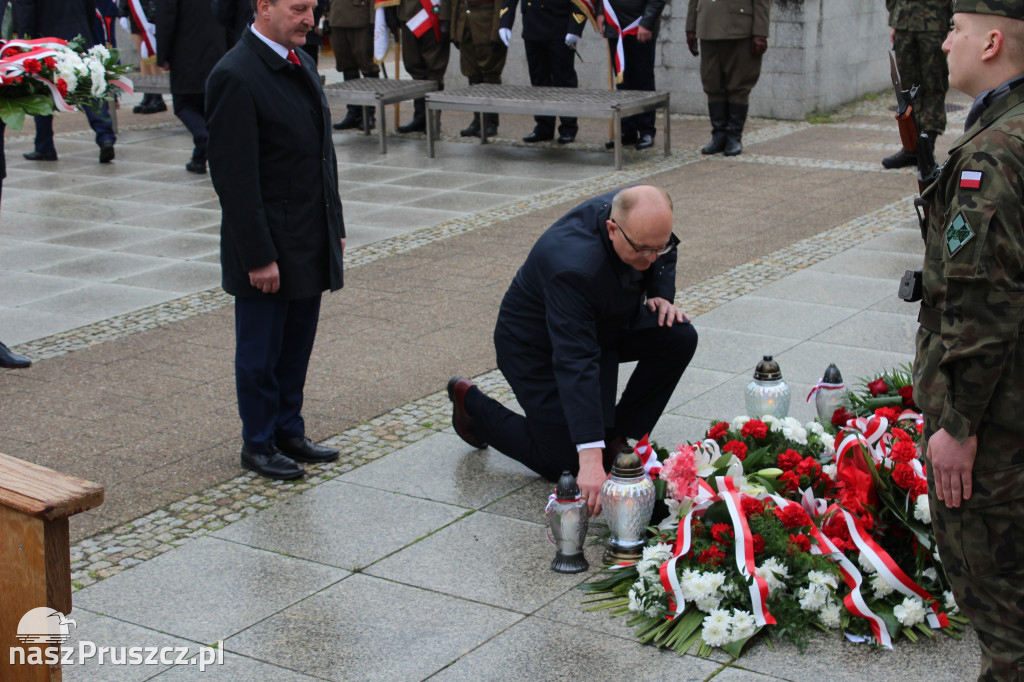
<point>590,478</point>
<point>952,466</point>
<point>668,314</point>
<point>267,279</point>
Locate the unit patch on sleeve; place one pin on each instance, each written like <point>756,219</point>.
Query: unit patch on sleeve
<point>958,233</point>
<point>970,179</point>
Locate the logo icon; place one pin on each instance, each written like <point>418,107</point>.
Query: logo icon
<point>43,625</point>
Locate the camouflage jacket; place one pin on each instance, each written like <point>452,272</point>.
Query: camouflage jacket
<point>969,369</point>
<point>920,15</point>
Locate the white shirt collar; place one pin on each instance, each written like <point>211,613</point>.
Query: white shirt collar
<point>279,49</point>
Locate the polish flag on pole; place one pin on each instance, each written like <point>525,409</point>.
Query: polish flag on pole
<point>970,179</point>
<point>148,48</point>
<point>612,20</point>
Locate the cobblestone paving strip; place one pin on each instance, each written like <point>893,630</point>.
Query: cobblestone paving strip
<point>131,543</point>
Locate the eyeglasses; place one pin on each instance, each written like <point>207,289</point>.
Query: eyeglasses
<point>661,251</point>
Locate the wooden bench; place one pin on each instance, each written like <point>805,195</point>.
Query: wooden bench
<point>525,99</point>
<point>378,92</point>
<point>35,552</point>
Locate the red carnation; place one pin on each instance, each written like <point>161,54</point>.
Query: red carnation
<point>790,481</point>
<point>755,428</point>
<point>722,533</point>
<point>50,62</point>
<point>904,475</point>
<point>890,413</point>
<point>32,65</point>
<point>799,541</point>
<point>696,527</point>
<point>793,516</point>
<point>920,487</point>
<point>751,505</point>
<point>736,447</point>
<point>758,543</point>
<point>808,467</point>
<point>907,393</point>
<point>878,387</point>
<point>789,459</point>
<point>712,556</point>
<point>903,451</point>
<point>841,416</point>
<point>62,87</point>
<point>900,434</point>
<point>719,430</point>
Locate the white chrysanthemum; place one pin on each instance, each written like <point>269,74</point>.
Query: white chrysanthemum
<point>930,574</point>
<point>743,625</point>
<point>709,602</point>
<point>922,510</point>
<point>880,586</point>
<point>911,612</point>
<point>830,470</point>
<point>797,434</point>
<point>653,557</point>
<point>737,423</point>
<point>865,565</point>
<point>816,428</point>
<point>99,52</point>
<point>823,579</point>
<point>655,610</point>
<point>949,602</point>
<point>774,573</point>
<point>773,422</point>
<point>68,74</point>
<point>718,617</point>
<point>98,78</point>
<point>812,598</point>
<point>715,634</point>
<point>830,614</point>
<point>634,601</point>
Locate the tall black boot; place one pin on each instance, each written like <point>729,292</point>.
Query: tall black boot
<point>490,125</point>
<point>353,118</point>
<point>734,132</point>
<point>473,129</point>
<point>719,115</point>
<point>418,124</point>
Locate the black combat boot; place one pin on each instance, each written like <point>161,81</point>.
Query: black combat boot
<point>353,119</point>
<point>418,124</point>
<point>734,131</point>
<point>900,159</point>
<point>473,129</point>
<point>719,114</point>
<point>490,125</point>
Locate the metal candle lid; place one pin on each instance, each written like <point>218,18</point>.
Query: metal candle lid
<point>567,488</point>
<point>628,465</point>
<point>768,370</point>
<point>832,375</point>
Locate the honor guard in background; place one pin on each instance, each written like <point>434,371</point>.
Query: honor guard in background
<point>426,29</point>
<point>551,29</point>
<point>638,50</point>
<point>733,36</point>
<point>969,368</point>
<point>918,28</point>
<point>351,23</point>
<point>482,54</point>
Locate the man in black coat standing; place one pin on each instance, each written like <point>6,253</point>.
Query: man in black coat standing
<point>189,43</point>
<point>272,163</point>
<point>595,291</point>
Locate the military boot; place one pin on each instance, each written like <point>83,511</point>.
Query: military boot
<point>719,114</point>
<point>353,119</point>
<point>473,129</point>
<point>900,159</point>
<point>490,125</point>
<point>734,131</point>
<point>370,121</point>
<point>418,124</point>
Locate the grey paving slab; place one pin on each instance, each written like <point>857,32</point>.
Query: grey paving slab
<point>775,317</point>
<point>870,263</point>
<point>441,181</point>
<point>894,304</point>
<point>18,288</point>
<point>93,631</point>
<point>463,200</point>
<point>234,668</point>
<point>100,301</point>
<point>117,188</point>
<point>472,478</point>
<point>106,236</point>
<point>731,351</point>
<point>673,430</point>
<point>102,266</point>
<point>208,589</point>
<point>375,174</point>
<point>906,240</point>
<point>72,206</point>
<point>512,186</point>
<point>487,558</point>
<point>36,256</point>
<point>383,194</point>
<point>726,401</point>
<point>188,245</point>
<point>181,219</point>
<point>178,277</point>
<point>341,524</point>
<point>732,674</point>
<point>364,628</point>
<point>21,324</point>
<point>815,286</point>
<point>407,217</point>
<point>871,329</point>
<point>544,650</point>
<point>39,228</point>
<point>800,362</point>
<point>184,195</point>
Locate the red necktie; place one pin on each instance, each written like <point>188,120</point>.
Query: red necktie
<point>293,58</point>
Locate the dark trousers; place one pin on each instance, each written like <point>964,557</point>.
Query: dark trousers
<point>191,109</point>
<point>638,75</point>
<point>542,441</point>
<point>99,120</point>
<point>273,342</point>
<point>728,71</point>
<point>425,58</point>
<point>550,64</point>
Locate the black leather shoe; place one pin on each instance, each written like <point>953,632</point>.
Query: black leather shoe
<point>198,167</point>
<point>645,142</point>
<point>155,106</point>
<point>626,140</point>
<point>271,465</point>
<point>473,129</point>
<point>566,139</point>
<point>40,156</point>
<point>349,122</point>
<point>302,449</point>
<point>463,423</point>
<point>11,360</point>
<point>106,152</point>
<point>416,125</point>
<point>535,137</point>
<point>900,159</point>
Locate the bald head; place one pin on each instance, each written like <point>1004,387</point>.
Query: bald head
<point>640,220</point>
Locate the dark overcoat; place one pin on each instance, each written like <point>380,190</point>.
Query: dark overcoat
<point>65,19</point>
<point>190,39</point>
<point>544,20</point>
<point>569,304</point>
<point>272,163</point>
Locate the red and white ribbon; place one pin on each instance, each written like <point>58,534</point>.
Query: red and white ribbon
<point>822,386</point>
<point>426,19</point>
<point>648,457</point>
<point>146,29</point>
<point>612,20</point>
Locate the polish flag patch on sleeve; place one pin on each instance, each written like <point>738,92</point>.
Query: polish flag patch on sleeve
<point>970,179</point>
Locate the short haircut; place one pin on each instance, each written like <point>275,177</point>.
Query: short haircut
<point>625,200</point>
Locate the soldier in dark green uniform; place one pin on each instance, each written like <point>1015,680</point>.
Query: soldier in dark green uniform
<point>426,44</point>
<point>918,28</point>
<point>351,23</point>
<point>482,54</point>
<point>969,369</point>
<point>733,36</point>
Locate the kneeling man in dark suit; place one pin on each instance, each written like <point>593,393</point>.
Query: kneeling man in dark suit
<point>282,233</point>
<point>595,291</point>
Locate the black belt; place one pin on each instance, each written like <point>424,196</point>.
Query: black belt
<point>930,318</point>
<point>475,3</point>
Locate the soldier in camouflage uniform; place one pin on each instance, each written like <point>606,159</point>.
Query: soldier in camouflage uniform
<point>969,369</point>
<point>918,29</point>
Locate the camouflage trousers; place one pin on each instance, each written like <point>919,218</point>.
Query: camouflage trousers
<point>981,544</point>
<point>922,62</point>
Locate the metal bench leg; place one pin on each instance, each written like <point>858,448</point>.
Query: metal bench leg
<point>382,122</point>
<point>430,131</point>
<point>483,129</point>
<point>617,131</point>
<point>366,117</point>
<point>668,127</point>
